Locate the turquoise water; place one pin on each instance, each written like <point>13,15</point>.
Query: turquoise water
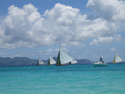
<point>71,79</point>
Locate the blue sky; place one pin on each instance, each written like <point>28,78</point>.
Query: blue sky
<point>87,29</point>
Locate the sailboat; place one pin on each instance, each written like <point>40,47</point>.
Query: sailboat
<point>100,63</point>
<point>63,58</point>
<point>40,62</point>
<point>73,61</point>
<point>51,61</point>
<point>117,59</point>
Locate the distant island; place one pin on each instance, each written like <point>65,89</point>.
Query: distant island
<point>24,61</point>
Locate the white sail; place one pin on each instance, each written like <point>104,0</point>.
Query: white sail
<point>51,61</point>
<point>73,61</point>
<point>40,62</point>
<point>63,58</point>
<point>117,59</point>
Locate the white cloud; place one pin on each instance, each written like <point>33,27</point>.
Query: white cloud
<point>113,49</point>
<point>102,40</point>
<point>26,27</point>
<point>108,9</point>
<point>50,51</point>
<point>4,54</point>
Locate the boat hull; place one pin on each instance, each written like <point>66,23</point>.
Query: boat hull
<point>61,65</point>
<point>41,64</point>
<point>100,65</point>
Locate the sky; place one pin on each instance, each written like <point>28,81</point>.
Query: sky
<point>86,29</point>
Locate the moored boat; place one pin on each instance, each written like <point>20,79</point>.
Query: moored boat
<point>63,58</point>
<point>73,61</point>
<point>51,61</point>
<point>100,63</point>
<point>40,62</point>
<point>117,59</point>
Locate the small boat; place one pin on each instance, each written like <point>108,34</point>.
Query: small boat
<point>40,62</point>
<point>63,58</point>
<point>117,59</point>
<point>100,63</point>
<point>51,61</point>
<point>73,61</point>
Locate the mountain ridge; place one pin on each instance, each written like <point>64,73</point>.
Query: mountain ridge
<point>25,61</point>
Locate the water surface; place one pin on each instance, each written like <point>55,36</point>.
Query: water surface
<point>71,79</point>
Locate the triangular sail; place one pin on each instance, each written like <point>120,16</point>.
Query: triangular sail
<point>73,61</point>
<point>117,59</point>
<point>51,61</point>
<point>63,58</point>
<point>40,62</point>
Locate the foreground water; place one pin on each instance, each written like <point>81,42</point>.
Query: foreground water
<point>71,79</point>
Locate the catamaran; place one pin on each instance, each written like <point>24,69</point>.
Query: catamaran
<point>117,59</point>
<point>51,61</point>
<point>100,63</point>
<point>63,58</point>
<point>40,62</point>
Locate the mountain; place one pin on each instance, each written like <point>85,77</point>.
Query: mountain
<point>80,61</point>
<point>21,61</point>
<point>120,62</point>
<point>84,61</point>
<point>7,61</point>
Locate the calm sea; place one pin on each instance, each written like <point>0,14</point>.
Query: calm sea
<point>71,79</point>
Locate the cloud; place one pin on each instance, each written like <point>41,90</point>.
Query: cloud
<point>26,27</point>
<point>108,9</point>
<point>4,54</point>
<point>17,26</point>
<point>102,40</point>
<point>50,51</point>
<point>113,49</point>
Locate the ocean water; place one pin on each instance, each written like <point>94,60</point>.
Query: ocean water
<point>71,79</point>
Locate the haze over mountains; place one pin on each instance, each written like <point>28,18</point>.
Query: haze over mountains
<point>20,61</point>
<point>24,61</point>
